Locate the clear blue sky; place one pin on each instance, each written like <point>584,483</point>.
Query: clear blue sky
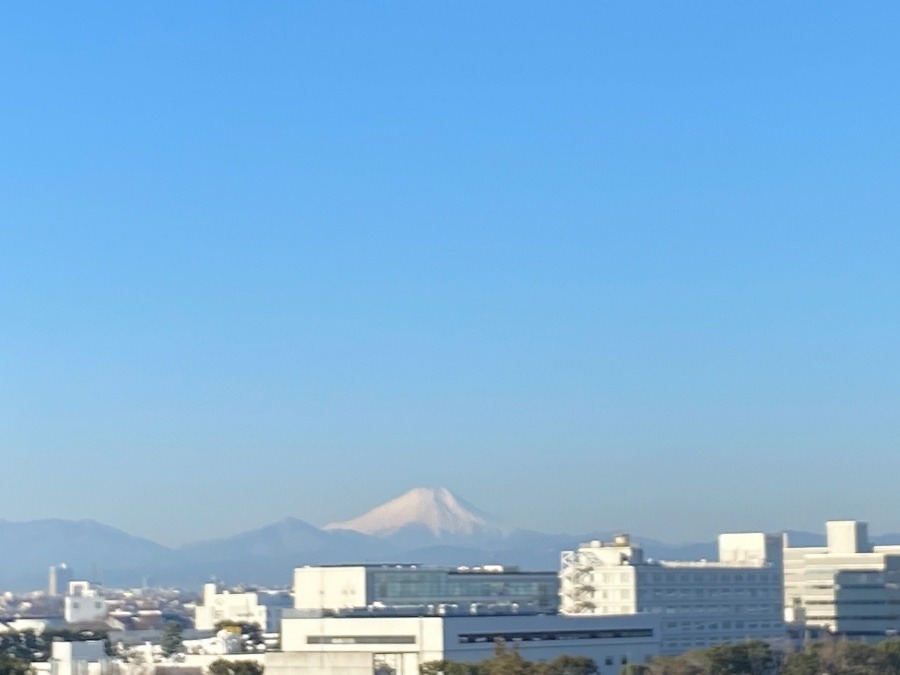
<point>591,265</point>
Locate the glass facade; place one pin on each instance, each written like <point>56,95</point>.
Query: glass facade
<point>538,591</point>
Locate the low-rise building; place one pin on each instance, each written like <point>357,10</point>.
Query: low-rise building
<point>79,658</point>
<point>491,588</point>
<point>262,608</point>
<point>83,603</point>
<point>361,645</point>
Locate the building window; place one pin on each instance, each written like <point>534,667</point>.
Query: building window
<point>360,639</point>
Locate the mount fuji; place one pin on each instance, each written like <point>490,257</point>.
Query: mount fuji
<point>426,516</point>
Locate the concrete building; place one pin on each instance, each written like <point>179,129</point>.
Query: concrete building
<point>260,607</point>
<point>79,658</point>
<point>491,588</point>
<point>223,642</point>
<point>699,604</point>
<point>361,645</point>
<point>847,587</point>
<point>83,603</point>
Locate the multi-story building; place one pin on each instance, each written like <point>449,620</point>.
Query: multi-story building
<point>400,644</point>
<point>847,587</point>
<point>492,588</point>
<point>700,604</point>
<point>83,603</point>
<point>260,607</point>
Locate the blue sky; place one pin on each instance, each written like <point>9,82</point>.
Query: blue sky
<point>591,265</point>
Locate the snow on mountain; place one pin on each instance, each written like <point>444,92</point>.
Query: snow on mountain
<point>435,512</point>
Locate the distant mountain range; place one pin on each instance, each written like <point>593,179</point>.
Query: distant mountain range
<point>430,526</point>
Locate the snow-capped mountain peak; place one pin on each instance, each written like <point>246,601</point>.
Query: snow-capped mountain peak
<point>434,509</point>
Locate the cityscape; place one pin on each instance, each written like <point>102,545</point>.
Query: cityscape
<point>450,337</point>
<point>607,602</point>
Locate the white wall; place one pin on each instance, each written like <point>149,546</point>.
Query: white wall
<point>329,587</point>
<point>226,606</point>
<point>406,642</point>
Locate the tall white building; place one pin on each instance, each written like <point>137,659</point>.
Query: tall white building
<point>847,587</point>
<point>58,579</point>
<point>492,588</point>
<point>700,604</point>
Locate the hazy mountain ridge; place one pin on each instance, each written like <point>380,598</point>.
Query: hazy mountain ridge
<point>431,526</point>
<point>89,547</point>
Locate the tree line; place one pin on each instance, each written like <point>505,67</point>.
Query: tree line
<point>510,662</point>
<point>824,657</point>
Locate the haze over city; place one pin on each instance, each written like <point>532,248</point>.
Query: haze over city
<point>591,266</point>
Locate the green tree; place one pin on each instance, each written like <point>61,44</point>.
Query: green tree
<point>843,657</point>
<point>891,649</point>
<point>509,662</point>
<point>567,665</point>
<point>801,663</point>
<point>635,669</point>
<point>10,665</point>
<point>171,642</point>
<point>686,664</point>
<point>448,668</point>
<point>742,658</point>
<point>226,667</point>
<point>251,632</point>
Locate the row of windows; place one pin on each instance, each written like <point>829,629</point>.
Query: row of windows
<point>710,577</point>
<point>558,635</point>
<point>441,585</point>
<point>713,592</point>
<point>360,639</point>
<point>851,617</point>
<point>723,625</point>
<point>679,608</point>
<point>693,644</point>
<point>849,603</point>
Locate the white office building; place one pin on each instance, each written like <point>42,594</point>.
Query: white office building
<point>361,645</point>
<point>736,598</point>
<point>83,603</point>
<point>847,587</point>
<point>262,608</point>
<point>488,589</point>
